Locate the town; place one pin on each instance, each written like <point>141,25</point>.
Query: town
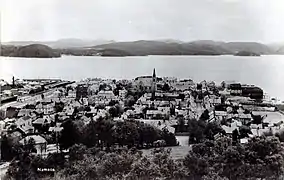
<point>51,116</point>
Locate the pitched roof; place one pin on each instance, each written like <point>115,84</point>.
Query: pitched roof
<point>55,129</point>
<point>26,128</point>
<point>24,112</point>
<point>42,121</point>
<point>229,130</point>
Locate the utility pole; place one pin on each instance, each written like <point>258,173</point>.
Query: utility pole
<point>0,145</point>
<point>0,129</point>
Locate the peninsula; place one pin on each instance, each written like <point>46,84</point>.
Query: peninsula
<point>29,51</point>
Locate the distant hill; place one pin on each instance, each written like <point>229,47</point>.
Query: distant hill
<point>203,47</point>
<point>170,41</point>
<point>75,43</point>
<point>209,42</point>
<point>216,45</point>
<point>246,53</point>
<point>80,47</point>
<point>31,51</point>
<point>248,46</point>
<point>93,52</point>
<point>280,50</point>
<point>61,43</point>
<point>142,48</point>
<point>114,52</point>
<point>234,47</point>
<point>7,50</point>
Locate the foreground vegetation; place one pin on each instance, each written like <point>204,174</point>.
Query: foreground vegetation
<point>261,158</point>
<point>108,149</point>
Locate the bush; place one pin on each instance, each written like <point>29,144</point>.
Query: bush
<point>169,138</point>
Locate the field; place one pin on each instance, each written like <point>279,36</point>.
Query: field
<point>177,152</point>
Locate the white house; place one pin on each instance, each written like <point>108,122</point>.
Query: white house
<point>40,143</point>
<point>218,115</point>
<point>156,114</point>
<point>232,127</point>
<point>45,108</point>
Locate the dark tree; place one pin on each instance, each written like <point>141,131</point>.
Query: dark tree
<point>169,138</point>
<point>70,135</point>
<point>90,136</point>
<point>194,94</point>
<point>126,133</point>
<point>113,102</point>
<point>148,134</point>
<point>104,129</point>
<point>181,124</point>
<point>244,131</point>
<point>116,91</point>
<point>130,101</point>
<point>166,87</point>
<point>205,115</point>
<point>59,106</point>
<point>257,119</point>
<point>87,109</point>
<point>196,131</point>
<point>181,96</point>
<point>9,148</point>
<point>212,129</point>
<point>199,86</point>
<point>102,87</point>
<point>235,136</point>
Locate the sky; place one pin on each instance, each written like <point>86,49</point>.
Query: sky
<point>127,20</point>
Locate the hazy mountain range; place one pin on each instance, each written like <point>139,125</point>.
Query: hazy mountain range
<point>62,43</point>
<point>145,47</point>
<point>203,47</point>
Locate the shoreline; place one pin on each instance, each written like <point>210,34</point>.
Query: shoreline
<point>201,55</point>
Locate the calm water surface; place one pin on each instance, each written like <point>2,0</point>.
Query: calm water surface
<point>265,71</point>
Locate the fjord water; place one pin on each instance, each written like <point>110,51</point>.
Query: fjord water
<point>265,71</point>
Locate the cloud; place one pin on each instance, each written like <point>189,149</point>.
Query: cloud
<point>229,20</point>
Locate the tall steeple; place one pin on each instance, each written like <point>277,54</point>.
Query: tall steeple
<point>154,81</point>
<point>154,73</point>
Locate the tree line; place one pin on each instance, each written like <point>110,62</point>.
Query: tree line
<point>105,133</point>
<point>260,158</point>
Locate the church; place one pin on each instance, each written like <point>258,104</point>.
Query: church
<point>148,82</point>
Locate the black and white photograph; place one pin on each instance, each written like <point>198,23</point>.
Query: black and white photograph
<point>142,89</point>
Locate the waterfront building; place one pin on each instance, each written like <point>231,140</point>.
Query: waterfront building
<point>253,92</point>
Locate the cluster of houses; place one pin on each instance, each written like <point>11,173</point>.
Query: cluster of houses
<point>165,103</point>
<point>18,89</point>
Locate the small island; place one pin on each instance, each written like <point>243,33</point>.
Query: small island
<point>246,53</point>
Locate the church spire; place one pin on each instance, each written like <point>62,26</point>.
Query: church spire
<point>154,73</point>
